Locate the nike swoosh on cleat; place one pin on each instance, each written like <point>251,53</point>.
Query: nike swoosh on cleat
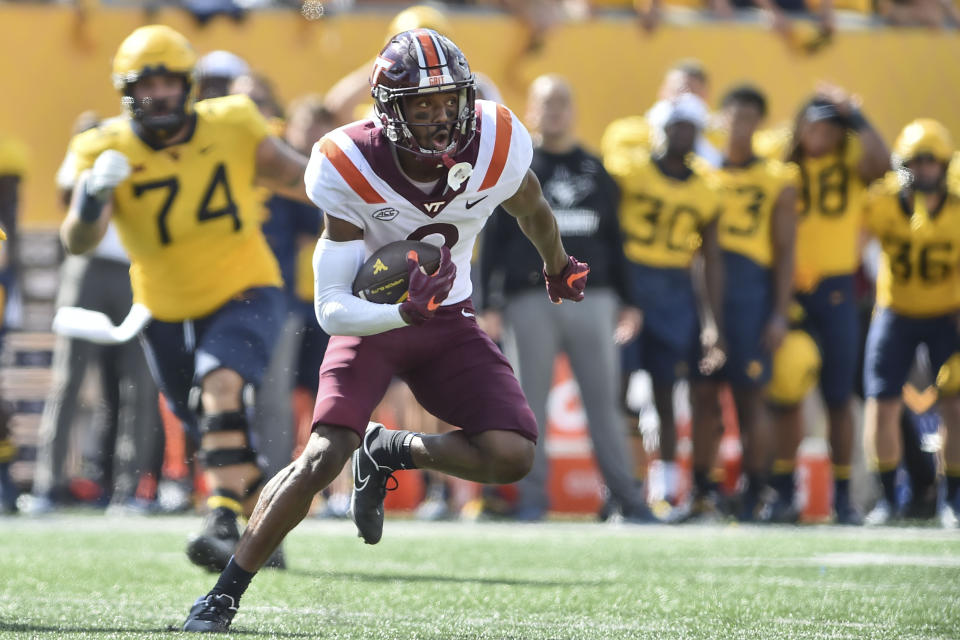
<point>433,305</point>
<point>471,205</point>
<point>359,483</point>
<point>576,276</point>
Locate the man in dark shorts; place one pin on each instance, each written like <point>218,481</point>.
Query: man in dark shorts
<point>432,166</point>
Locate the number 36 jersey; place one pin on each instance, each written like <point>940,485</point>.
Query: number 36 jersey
<point>353,175</point>
<point>189,214</point>
<point>919,272</point>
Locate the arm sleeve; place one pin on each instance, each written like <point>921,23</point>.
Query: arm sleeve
<point>339,312</point>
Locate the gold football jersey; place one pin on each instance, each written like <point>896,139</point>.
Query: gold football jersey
<point>750,195</point>
<point>661,217</point>
<point>919,272</point>
<point>829,204</point>
<point>189,214</point>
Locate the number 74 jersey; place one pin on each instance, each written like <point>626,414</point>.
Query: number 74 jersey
<point>189,215</point>
<point>919,274</point>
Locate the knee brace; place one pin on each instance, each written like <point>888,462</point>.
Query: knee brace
<point>235,421</point>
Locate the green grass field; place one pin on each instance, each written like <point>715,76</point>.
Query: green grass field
<point>88,576</point>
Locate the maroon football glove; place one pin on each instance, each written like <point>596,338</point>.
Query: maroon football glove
<point>426,292</point>
<point>569,283</point>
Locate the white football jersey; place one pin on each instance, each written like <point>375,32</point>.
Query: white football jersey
<point>353,175</point>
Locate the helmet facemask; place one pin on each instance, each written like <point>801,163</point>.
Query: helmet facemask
<point>162,118</point>
<point>400,131</point>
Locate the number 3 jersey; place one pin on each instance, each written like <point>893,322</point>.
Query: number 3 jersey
<point>750,198</point>
<point>919,272</point>
<point>189,214</point>
<point>354,175</point>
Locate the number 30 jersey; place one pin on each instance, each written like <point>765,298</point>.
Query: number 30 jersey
<point>189,214</point>
<point>354,175</point>
<point>919,274</point>
<point>662,218</point>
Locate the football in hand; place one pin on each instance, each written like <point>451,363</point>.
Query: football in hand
<point>384,277</point>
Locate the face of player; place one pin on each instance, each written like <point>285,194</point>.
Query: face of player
<point>928,173</point>
<point>820,138</point>
<point>550,110</point>
<point>680,138</point>
<point>743,119</point>
<point>160,99</point>
<point>431,118</point>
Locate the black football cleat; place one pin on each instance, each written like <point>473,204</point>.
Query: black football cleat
<point>369,488</point>
<point>212,547</point>
<point>212,613</point>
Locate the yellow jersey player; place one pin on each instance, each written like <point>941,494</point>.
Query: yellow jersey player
<point>177,178</point>
<point>838,154</point>
<point>668,212</point>
<point>757,232</point>
<point>915,215</point>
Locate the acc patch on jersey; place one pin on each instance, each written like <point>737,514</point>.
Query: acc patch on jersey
<point>384,277</point>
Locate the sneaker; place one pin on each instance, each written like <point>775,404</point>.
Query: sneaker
<point>212,613</point>
<point>847,514</point>
<point>882,514</point>
<point>639,514</point>
<point>702,509</point>
<point>212,547</point>
<point>780,511</point>
<point>369,488</point>
<point>948,518</point>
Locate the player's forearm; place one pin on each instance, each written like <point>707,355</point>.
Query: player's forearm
<point>876,156</point>
<point>713,275</point>
<point>86,220</point>
<point>78,236</point>
<point>784,235</point>
<point>541,229</point>
<point>339,312</point>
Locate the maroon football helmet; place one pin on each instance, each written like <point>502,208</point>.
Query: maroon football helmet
<point>416,62</point>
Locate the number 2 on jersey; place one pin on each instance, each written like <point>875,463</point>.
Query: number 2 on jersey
<point>217,182</point>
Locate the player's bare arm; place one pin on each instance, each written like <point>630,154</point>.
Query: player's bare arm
<point>783,234</point>
<point>77,235</point>
<point>280,168</point>
<point>536,219</point>
<point>876,156</point>
<point>875,160</point>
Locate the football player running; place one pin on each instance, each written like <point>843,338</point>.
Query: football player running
<point>177,177</point>
<point>433,164</point>
<point>916,217</point>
